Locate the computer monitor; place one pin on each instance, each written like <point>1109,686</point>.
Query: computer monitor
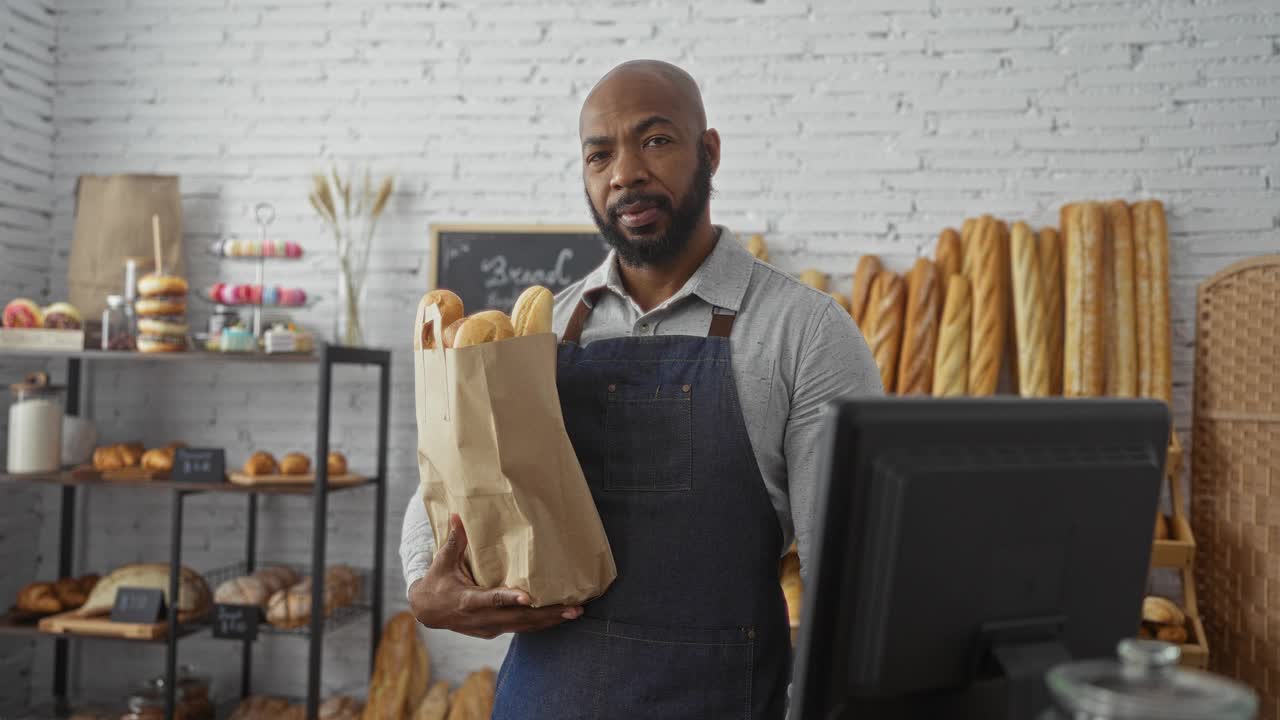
<point>965,546</point>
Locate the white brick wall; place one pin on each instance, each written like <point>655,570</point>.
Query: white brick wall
<point>27,29</point>
<point>849,126</point>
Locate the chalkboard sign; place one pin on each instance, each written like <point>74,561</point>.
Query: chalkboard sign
<point>199,465</point>
<point>488,266</point>
<point>138,605</point>
<point>236,622</point>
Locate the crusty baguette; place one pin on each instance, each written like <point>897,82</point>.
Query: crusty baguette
<point>1142,296</point>
<point>949,256</point>
<point>920,335</point>
<point>973,247</point>
<point>951,362</point>
<point>1122,349</point>
<point>987,339</point>
<point>1065,215</point>
<point>887,306</point>
<point>863,276</point>
<point>1084,366</point>
<point>966,229</point>
<point>815,279</point>
<point>1157,243</point>
<point>1028,307</point>
<point>1050,252</point>
<point>1010,361</point>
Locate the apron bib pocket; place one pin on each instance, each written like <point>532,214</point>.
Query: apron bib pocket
<point>658,457</point>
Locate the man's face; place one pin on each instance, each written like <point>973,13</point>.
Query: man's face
<point>646,170</point>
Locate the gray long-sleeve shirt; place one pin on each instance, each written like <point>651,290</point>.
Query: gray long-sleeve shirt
<point>792,350</point>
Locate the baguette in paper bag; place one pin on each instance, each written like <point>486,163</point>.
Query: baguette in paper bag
<point>492,448</point>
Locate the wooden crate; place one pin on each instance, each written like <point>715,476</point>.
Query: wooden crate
<point>1195,653</point>
<point>1179,551</point>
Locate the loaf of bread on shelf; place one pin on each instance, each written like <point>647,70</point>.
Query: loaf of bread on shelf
<point>295,464</point>
<point>435,705</point>
<point>883,331</point>
<point>291,607</point>
<point>194,597</point>
<point>982,226</point>
<point>1028,313</point>
<point>336,463</point>
<point>951,359</point>
<point>70,593</point>
<point>276,578</point>
<point>38,597</point>
<point>1162,611</point>
<point>990,315</point>
<point>261,707</point>
<point>920,333</point>
<point>863,276</point>
<point>345,582</point>
<point>1050,254</point>
<point>340,707</point>
<point>261,463</point>
<point>1121,311</point>
<point>401,670</point>
<point>244,590</point>
<point>158,460</point>
<point>1084,361</point>
<point>473,700</point>
<point>108,458</point>
<point>132,453</point>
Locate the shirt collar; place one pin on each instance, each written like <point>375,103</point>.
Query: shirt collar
<point>721,280</point>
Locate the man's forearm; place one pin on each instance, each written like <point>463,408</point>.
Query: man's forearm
<point>417,541</point>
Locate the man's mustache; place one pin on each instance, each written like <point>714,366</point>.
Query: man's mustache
<point>633,198</point>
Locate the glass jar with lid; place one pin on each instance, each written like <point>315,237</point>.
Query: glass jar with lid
<point>35,425</point>
<point>148,704</point>
<point>116,333</point>
<point>1146,684</point>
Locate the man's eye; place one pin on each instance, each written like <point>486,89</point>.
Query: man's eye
<point>594,158</point>
<point>657,142</point>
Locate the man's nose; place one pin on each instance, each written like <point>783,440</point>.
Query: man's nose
<point>629,171</point>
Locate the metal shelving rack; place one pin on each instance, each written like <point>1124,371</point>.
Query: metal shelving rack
<point>325,359</point>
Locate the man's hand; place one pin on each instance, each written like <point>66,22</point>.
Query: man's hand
<point>448,598</point>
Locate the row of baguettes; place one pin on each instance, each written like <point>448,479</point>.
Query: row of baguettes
<point>1078,311</point>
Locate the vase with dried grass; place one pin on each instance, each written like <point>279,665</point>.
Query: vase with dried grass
<point>352,215</point>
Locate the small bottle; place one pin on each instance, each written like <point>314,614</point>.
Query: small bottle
<point>131,294</point>
<point>115,325</point>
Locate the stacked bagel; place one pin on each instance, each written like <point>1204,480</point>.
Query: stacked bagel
<point>162,313</point>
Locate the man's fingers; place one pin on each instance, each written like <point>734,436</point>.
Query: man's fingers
<point>496,598</point>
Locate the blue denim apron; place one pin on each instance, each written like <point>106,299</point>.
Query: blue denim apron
<point>695,626</point>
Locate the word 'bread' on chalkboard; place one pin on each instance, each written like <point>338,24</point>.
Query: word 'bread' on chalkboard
<point>236,622</point>
<point>200,465</point>
<point>138,605</point>
<point>488,266</point>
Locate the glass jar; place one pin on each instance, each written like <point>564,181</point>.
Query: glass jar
<point>1146,684</point>
<point>148,704</point>
<point>193,694</point>
<point>116,334</point>
<point>35,425</point>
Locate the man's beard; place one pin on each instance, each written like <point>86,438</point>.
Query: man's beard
<point>658,249</point>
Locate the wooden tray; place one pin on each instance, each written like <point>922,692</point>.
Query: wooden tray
<point>69,623</point>
<point>129,474</point>
<point>240,478</point>
<point>1195,653</point>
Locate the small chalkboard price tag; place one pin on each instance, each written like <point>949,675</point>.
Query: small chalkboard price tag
<point>138,605</point>
<point>208,465</point>
<point>236,622</point>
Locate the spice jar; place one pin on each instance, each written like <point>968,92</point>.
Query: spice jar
<point>116,334</point>
<point>1146,684</point>
<point>193,694</point>
<point>35,425</point>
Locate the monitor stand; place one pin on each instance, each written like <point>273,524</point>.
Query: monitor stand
<point>1021,652</point>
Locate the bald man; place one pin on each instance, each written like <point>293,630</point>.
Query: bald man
<point>692,379</point>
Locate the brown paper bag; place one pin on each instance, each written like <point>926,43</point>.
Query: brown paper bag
<point>492,448</point>
<point>113,222</point>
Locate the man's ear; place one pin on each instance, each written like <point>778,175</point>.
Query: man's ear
<point>711,141</point>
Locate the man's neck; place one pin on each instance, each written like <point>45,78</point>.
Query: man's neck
<point>652,285</point>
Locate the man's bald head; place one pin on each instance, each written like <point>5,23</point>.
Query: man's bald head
<point>661,82</point>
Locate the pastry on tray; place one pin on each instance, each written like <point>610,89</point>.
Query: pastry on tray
<point>337,463</point>
<point>260,463</point>
<point>295,464</point>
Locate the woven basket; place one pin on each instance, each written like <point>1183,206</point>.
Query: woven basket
<point>1235,471</point>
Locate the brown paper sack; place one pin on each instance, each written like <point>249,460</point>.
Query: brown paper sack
<point>113,222</point>
<point>492,448</point>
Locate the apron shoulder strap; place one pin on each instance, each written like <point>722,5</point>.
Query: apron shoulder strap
<point>721,322</point>
<point>573,331</point>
